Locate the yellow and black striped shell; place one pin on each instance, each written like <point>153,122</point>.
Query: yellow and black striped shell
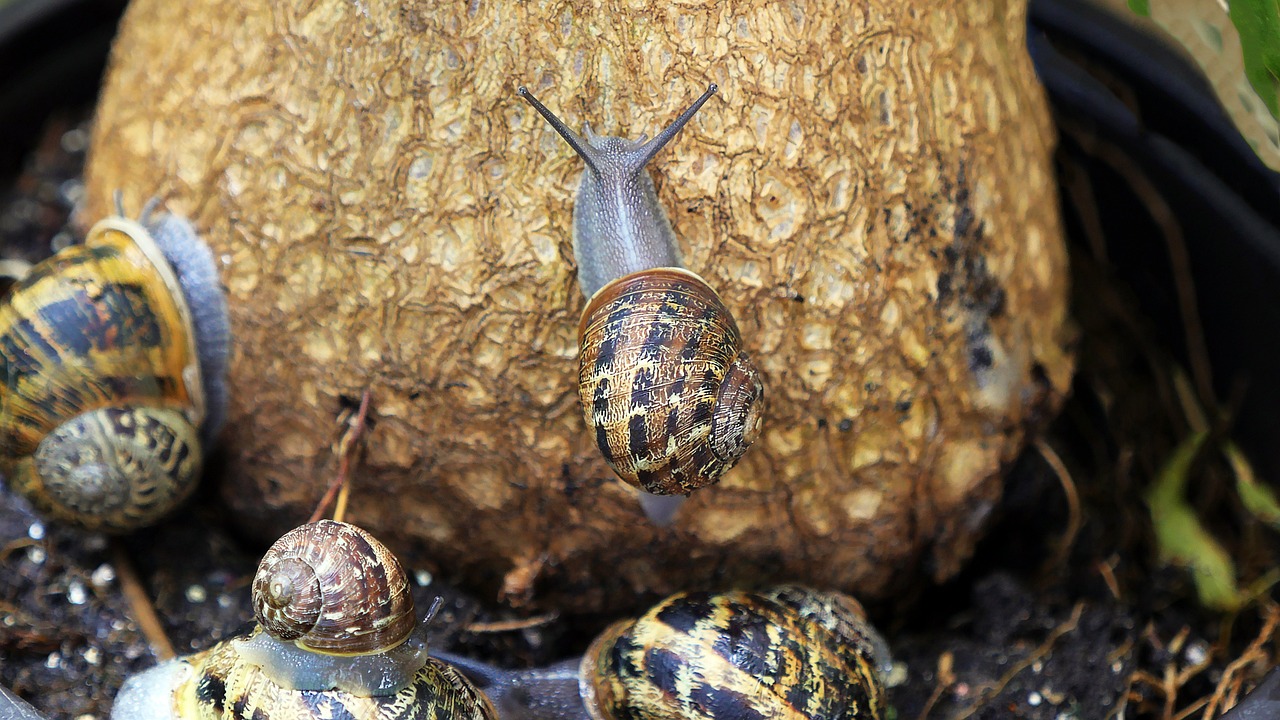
<point>222,686</point>
<point>672,399</point>
<point>787,653</point>
<point>333,588</point>
<point>102,396</point>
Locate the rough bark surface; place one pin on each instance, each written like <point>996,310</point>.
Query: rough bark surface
<point>870,192</point>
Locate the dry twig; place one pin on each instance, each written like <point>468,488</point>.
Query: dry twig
<point>143,611</point>
<point>339,488</point>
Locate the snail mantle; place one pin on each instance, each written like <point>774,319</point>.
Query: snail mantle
<point>388,213</point>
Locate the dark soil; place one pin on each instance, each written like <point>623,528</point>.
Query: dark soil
<point>1050,621</point>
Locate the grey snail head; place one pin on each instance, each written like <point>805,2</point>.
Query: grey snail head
<point>114,355</point>
<point>668,391</point>
<point>619,226</point>
<point>786,652</point>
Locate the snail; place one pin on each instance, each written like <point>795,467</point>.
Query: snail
<point>672,398</point>
<point>113,356</point>
<point>789,652</point>
<point>336,636</point>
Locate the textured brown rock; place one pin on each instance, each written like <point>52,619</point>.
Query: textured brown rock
<point>870,193</point>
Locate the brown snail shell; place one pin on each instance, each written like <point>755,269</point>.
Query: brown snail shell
<point>665,385</point>
<point>791,652</point>
<point>333,588</point>
<point>113,355</point>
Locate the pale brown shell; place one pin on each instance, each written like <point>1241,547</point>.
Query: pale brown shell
<point>666,389</point>
<point>333,588</point>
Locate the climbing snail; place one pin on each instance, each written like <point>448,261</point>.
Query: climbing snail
<point>113,356</point>
<point>789,652</point>
<point>665,385</point>
<point>336,637</point>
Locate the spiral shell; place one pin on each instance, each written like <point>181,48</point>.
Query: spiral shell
<point>104,398</point>
<point>333,588</point>
<point>672,398</point>
<point>736,655</point>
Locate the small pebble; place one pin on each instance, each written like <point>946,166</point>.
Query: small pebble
<point>93,655</point>
<point>87,716</point>
<point>1034,699</point>
<point>76,594</point>
<point>36,531</point>
<point>75,140</point>
<point>196,594</point>
<point>53,661</point>
<point>1197,653</point>
<point>103,575</point>
<point>423,577</point>
<point>36,555</point>
<point>897,675</point>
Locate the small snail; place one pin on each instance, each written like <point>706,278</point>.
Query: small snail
<point>336,637</point>
<point>665,385</point>
<point>113,356</point>
<point>789,652</point>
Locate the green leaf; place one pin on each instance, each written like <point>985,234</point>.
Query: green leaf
<point>1258,499</point>
<point>1258,22</point>
<point>1181,537</point>
<point>1141,7</point>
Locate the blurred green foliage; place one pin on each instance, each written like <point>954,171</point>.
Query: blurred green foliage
<point>1258,22</point>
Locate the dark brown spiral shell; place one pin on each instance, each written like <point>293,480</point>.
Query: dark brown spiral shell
<point>734,655</point>
<point>333,588</point>
<point>673,400</point>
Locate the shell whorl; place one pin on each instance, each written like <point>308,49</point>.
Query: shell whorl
<point>114,468</point>
<point>333,588</point>
<point>96,348</point>
<point>728,655</point>
<point>664,384</point>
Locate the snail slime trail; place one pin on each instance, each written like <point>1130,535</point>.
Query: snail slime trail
<point>666,388</point>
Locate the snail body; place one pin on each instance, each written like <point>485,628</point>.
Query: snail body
<point>113,355</point>
<point>668,391</point>
<point>351,599</point>
<point>790,652</point>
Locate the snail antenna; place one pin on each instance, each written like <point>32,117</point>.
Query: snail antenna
<point>660,140</point>
<point>432,611</point>
<point>584,150</point>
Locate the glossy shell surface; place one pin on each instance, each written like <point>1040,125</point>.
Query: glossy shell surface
<point>97,327</point>
<point>665,386</point>
<point>333,587</point>
<point>223,687</point>
<point>730,656</point>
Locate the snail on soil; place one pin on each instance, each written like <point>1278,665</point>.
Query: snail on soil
<point>789,652</point>
<point>336,636</point>
<point>113,356</point>
<point>665,385</point>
